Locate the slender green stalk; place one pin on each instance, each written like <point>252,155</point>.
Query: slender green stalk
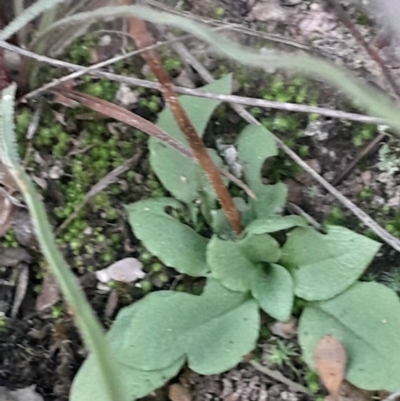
<point>362,94</point>
<point>85,319</point>
<point>18,10</point>
<point>47,19</point>
<point>18,7</point>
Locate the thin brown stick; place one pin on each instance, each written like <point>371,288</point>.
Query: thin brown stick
<point>278,376</point>
<point>348,23</point>
<point>143,39</point>
<point>119,113</point>
<point>364,153</point>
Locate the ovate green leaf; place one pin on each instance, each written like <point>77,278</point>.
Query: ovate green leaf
<point>260,248</point>
<point>220,223</point>
<point>272,287</point>
<point>174,243</point>
<point>275,223</point>
<point>255,144</point>
<point>366,320</point>
<point>213,330</point>
<point>136,383</point>
<point>228,264</point>
<point>271,199</point>
<point>324,265</point>
<point>183,177</point>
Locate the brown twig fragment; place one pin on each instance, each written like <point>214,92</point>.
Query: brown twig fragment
<point>143,39</point>
<point>348,23</point>
<point>364,153</point>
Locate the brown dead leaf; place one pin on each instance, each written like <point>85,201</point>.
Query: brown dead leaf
<point>177,392</point>
<point>64,100</point>
<point>284,329</point>
<point>295,190</point>
<point>49,293</point>
<point>383,38</point>
<point>7,186</point>
<point>6,214</point>
<point>12,257</point>
<point>317,20</point>
<point>7,180</point>
<point>112,303</point>
<point>20,289</point>
<point>267,11</point>
<point>23,229</point>
<point>330,362</point>
<point>348,392</point>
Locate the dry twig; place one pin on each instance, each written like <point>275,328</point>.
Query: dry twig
<point>278,376</point>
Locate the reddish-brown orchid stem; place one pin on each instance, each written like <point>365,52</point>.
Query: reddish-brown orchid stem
<point>143,39</point>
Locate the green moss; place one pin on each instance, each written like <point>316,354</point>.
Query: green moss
<point>145,257</point>
<point>79,52</point>
<point>361,17</point>
<point>3,323</point>
<point>163,278</point>
<point>172,64</point>
<point>9,240</point>
<point>101,88</point>
<point>108,255</point>
<point>22,121</point>
<point>312,381</point>
<point>264,333</point>
<point>151,103</point>
<point>146,286</point>
<point>365,194</point>
<point>335,216</point>
<point>363,133</point>
<point>156,267</point>
<point>56,311</point>
<point>219,12</point>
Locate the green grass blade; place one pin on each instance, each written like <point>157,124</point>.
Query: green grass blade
<point>26,16</point>
<point>86,321</point>
<point>362,94</point>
